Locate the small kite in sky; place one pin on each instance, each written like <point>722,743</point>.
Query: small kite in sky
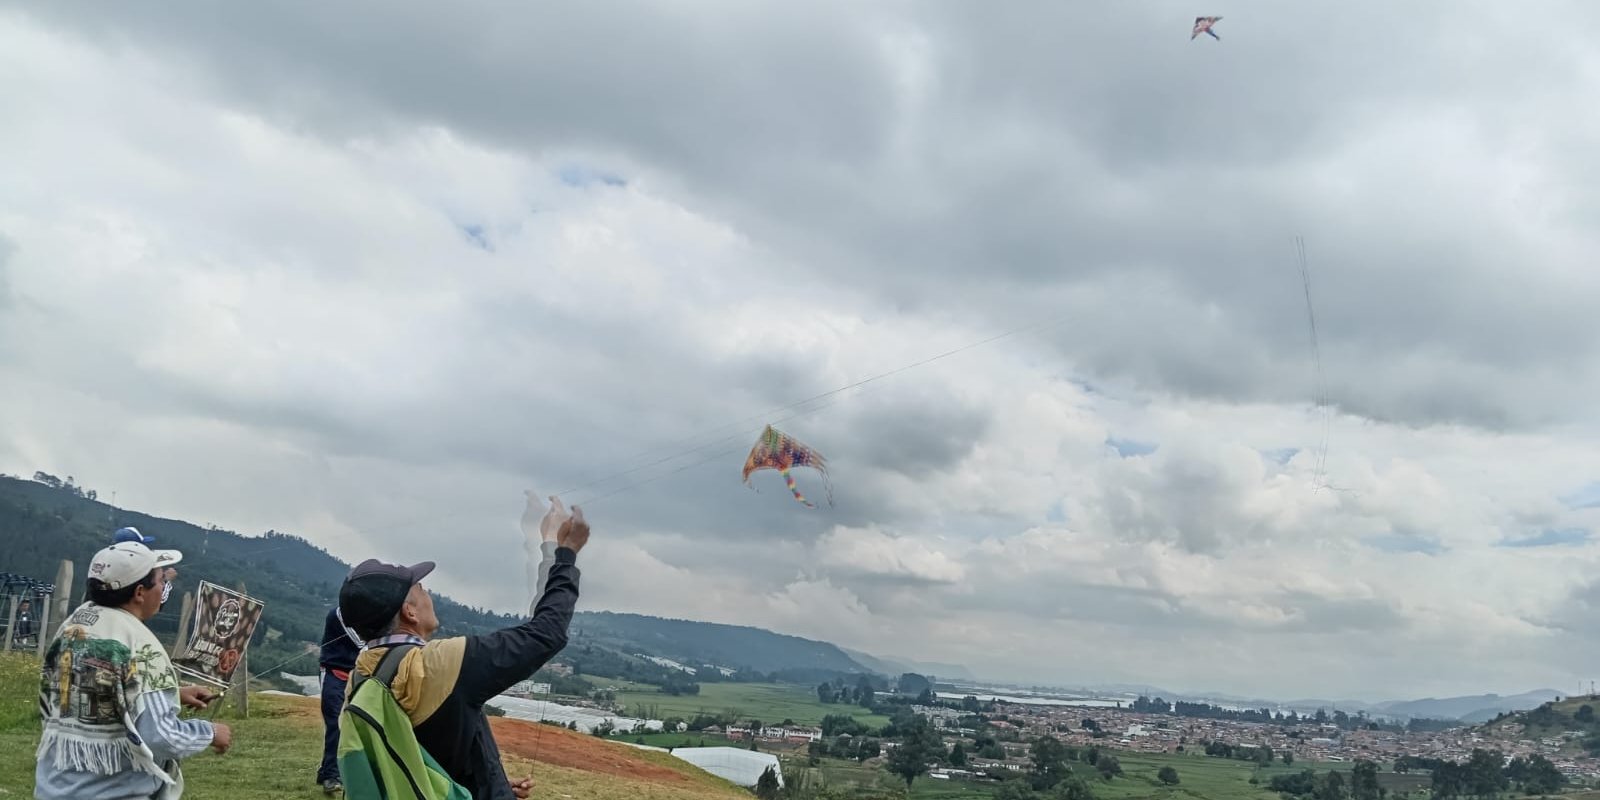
<point>780,451</point>
<point>1203,25</point>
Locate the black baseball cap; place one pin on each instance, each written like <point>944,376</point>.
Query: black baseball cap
<point>374,591</point>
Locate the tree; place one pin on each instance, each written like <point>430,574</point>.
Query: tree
<point>1331,787</point>
<point>1168,776</point>
<point>1542,777</point>
<point>1072,788</point>
<point>867,748</point>
<point>1288,758</point>
<point>920,745</point>
<point>864,693</point>
<point>958,755</point>
<point>913,684</point>
<point>824,693</point>
<point>1015,790</point>
<point>1108,766</point>
<point>1485,778</point>
<point>1585,714</point>
<point>767,785</point>
<point>1364,781</point>
<point>1049,758</point>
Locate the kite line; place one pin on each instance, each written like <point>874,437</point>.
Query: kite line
<point>744,424</point>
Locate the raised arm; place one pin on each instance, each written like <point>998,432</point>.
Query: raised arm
<point>494,662</point>
<point>497,661</point>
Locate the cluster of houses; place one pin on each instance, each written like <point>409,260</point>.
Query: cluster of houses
<point>1159,733</point>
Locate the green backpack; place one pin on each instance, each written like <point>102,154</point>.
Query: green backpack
<point>379,757</point>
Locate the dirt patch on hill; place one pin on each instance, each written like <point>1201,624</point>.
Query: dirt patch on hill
<point>565,748</point>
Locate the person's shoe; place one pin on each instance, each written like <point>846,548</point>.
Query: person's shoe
<point>332,786</point>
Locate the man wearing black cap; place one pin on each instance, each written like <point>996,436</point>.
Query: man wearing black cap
<point>442,685</point>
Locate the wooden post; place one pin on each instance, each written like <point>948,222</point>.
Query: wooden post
<point>11,621</point>
<point>58,605</point>
<point>44,625</point>
<point>181,643</point>
<point>241,678</point>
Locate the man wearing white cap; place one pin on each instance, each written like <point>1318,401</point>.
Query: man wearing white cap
<point>109,694</point>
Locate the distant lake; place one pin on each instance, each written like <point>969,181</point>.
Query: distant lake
<point>1085,702</point>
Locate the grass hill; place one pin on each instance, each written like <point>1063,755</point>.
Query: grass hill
<point>277,749</point>
<point>1573,720</point>
<point>42,525</point>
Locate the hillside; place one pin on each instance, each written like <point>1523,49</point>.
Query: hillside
<point>276,751</point>
<point>1476,708</point>
<point>706,643</point>
<point>894,665</point>
<point>1575,721</point>
<point>42,524</point>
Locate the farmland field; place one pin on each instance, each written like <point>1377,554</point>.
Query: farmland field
<point>769,702</point>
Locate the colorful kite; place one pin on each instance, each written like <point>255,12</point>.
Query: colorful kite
<point>779,451</point>
<point>1203,25</point>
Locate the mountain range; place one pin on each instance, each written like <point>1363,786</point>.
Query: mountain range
<point>46,520</point>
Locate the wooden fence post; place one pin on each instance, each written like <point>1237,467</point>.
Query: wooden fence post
<point>241,677</point>
<point>11,621</point>
<point>180,645</point>
<point>57,608</point>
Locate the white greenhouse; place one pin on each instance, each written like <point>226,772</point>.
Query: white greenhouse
<point>743,767</point>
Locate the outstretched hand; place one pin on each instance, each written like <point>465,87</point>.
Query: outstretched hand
<point>574,532</point>
<point>554,518</point>
<point>196,696</point>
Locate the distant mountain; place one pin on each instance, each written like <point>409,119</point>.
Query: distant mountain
<point>1476,708</point>
<point>894,665</point>
<point>700,643</point>
<point>47,520</point>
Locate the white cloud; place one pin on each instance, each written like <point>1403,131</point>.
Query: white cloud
<point>336,299</point>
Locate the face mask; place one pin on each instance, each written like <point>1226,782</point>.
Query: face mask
<point>166,592</point>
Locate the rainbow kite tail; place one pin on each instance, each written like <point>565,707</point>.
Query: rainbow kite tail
<point>788,480</point>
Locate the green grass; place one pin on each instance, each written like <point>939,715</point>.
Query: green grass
<point>769,702</point>
<point>19,722</point>
<point>1200,778</point>
<point>618,684</point>
<point>676,740</point>
<point>276,752</point>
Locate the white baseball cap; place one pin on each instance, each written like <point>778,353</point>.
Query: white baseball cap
<point>126,563</point>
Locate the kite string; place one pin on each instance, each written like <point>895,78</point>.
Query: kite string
<point>1324,407</point>
<point>746,421</point>
<point>1320,456</point>
<point>713,457</point>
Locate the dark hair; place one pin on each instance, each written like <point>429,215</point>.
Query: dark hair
<point>100,595</point>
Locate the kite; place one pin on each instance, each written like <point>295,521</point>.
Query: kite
<point>779,451</point>
<point>1203,25</point>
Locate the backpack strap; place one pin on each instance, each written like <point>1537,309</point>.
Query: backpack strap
<point>387,668</point>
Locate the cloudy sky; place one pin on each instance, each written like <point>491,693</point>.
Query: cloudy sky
<point>366,272</point>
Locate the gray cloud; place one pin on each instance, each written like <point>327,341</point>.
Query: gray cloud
<point>939,145</point>
<point>697,216</point>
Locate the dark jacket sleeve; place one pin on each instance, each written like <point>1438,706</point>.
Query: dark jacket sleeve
<point>494,662</point>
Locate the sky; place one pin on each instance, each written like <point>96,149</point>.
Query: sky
<point>366,273</point>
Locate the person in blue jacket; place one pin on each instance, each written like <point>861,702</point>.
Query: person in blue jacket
<point>338,657</point>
